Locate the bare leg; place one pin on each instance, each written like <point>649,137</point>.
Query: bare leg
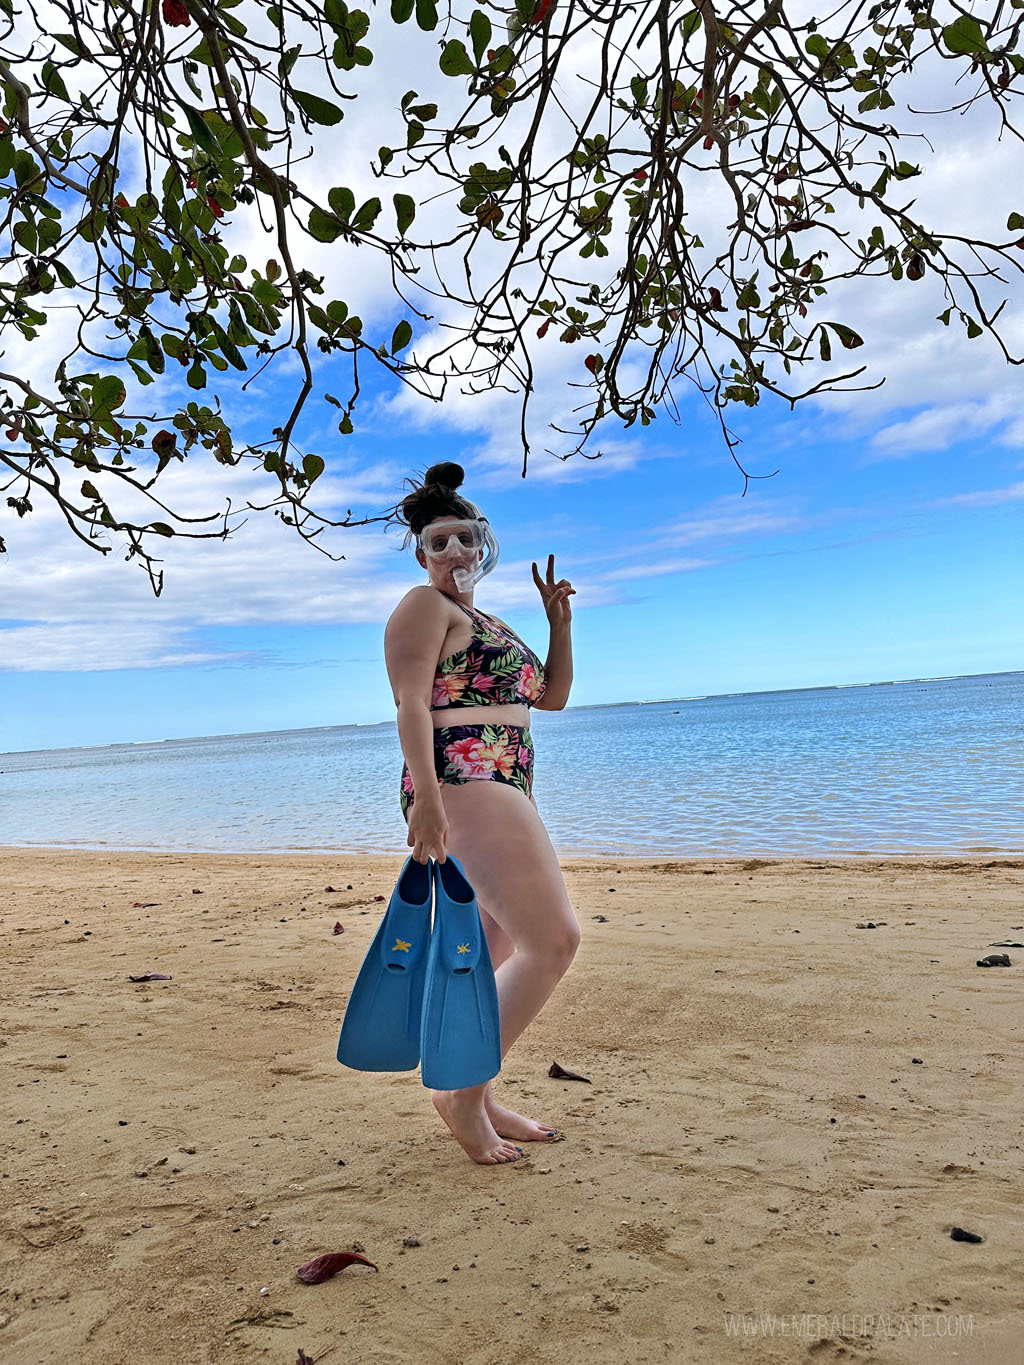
<point>507,1123</point>
<point>505,851</point>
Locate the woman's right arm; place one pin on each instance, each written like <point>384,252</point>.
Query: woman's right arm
<point>412,645</point>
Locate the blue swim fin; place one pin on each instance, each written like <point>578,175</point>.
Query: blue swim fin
<point>381,1029</point>
<point>461,1039</point>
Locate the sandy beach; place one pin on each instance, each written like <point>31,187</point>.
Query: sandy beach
<point>786,1116</point>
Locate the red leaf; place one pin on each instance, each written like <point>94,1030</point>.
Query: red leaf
<point>339,928</point>
<point>321,1268</point>
<point>164,443</point>
<point>709,142</point>
<point>803,310</point>
<point>543,328</point>
<point>560,1074</point>
<point>218,212</point>
<point>541,12</point>
<point>640,176</point>
<point>176,14</point>
<point>591,363</point>
<point>715,296</point>
<point>734,100</point>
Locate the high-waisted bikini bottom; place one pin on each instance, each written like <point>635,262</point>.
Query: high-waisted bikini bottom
<point>465,753</point>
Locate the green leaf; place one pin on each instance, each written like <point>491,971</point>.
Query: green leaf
<point>318,109</point>
<point>401,10</point>
<point>401,337</point>
<point>847,335</point>
<point>973,330</point>
<point>1015,222</point>
<point>196,376</point>
<point>342,202</point>
<point>367,215</point>
<point>324,226</point>
<point>480,32</point>
<point>201,133</point>
<point>345,425</point>
<point>160,528</point>
<point>824,345</point>
<point>405,212</point>
<point>90,491</point>
<point>965,35</point>
<point>108,393</point>
<point>312,467</point>
<point>944,317</point>
<point>426,15</point>
<point>455,59</point>
<point>817,46</point>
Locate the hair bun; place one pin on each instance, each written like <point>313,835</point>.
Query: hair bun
<point>446,474</point>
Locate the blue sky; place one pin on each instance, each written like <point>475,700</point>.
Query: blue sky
<point>858,561</point>
<point>888,545</point>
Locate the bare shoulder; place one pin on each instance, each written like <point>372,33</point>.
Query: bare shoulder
<point>422,598</point>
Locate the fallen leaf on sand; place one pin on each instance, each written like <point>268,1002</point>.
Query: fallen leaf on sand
<point>144,905</point>
<point>150,976</point>
<point>339,928</point>
<point>321,1268</point>
<point>560,1074</point>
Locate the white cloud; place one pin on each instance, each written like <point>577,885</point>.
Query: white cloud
<point>986,497</point>
<point>89,647</point>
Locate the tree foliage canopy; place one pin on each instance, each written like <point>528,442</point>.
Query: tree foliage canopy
<point>672,187</point>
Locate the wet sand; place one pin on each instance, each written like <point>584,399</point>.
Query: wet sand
<point>759,1169</point>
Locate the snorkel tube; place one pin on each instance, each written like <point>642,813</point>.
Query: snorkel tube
<point>466,579</point>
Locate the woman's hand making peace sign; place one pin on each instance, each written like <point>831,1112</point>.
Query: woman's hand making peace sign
<point>555,595</point>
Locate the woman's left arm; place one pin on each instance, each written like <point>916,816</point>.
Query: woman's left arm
<point>558,665</point>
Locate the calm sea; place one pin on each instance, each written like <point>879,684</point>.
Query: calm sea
<point>907,767</point>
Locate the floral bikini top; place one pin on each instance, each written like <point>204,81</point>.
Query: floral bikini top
<point>495,669</point>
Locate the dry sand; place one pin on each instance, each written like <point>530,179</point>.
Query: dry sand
<point>757,1138</point>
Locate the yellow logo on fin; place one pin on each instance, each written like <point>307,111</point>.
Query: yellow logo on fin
<point>463,948</point>
<point>401,946</point>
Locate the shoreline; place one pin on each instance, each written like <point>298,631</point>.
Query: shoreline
<point>798,1083</point>
<point>1006,857</point>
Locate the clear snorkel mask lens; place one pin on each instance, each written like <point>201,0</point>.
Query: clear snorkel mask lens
<point>460,540</point>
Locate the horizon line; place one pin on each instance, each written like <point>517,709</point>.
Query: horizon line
<point>589,706</point>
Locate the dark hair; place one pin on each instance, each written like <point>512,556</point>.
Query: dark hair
<point>434,497</point>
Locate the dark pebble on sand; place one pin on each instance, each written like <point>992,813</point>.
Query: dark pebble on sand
<point>959,1235</point>
<point>994,960</point>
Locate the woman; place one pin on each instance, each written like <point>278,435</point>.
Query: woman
<point>467,787</point>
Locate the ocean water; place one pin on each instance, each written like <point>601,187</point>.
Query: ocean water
<point>930,766</point>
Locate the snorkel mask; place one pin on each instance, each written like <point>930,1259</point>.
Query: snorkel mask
<point>461,541</point>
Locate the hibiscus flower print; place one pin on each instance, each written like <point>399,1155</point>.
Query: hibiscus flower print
<point>448,688</point>
<point>530,684</point>
<point>466,756</point>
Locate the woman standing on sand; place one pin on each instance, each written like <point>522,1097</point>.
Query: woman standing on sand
<point>467,788</point>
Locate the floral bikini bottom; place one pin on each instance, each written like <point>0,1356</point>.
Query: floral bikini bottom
<point>464,753</point>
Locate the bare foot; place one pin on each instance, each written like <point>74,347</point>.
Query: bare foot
<point>512,1125</point>
<point>466,1117</point>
